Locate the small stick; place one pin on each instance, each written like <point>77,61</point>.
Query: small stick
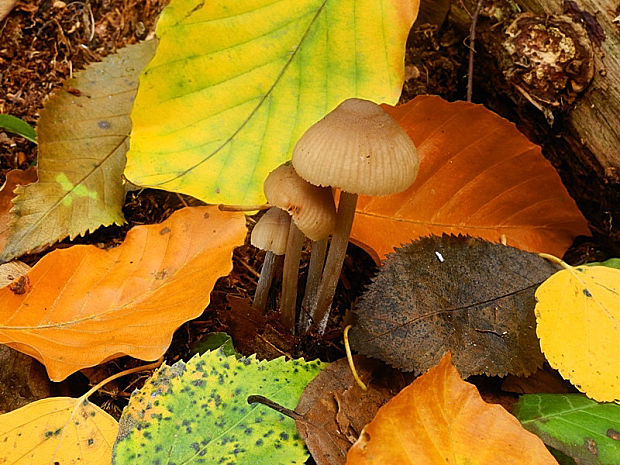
<point>256,399</point>
<point>244,208</point>
<point>472,40</point>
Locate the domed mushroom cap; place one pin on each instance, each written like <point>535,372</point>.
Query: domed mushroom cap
<point>311,207</point>
<point>359,148</point>
<point>271,232</point>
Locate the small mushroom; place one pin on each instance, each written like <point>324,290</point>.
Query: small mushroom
<point>313,214</point>
<point>360,149</point>
<point>269,234</point>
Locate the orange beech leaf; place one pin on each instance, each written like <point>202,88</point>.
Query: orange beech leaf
<point>478,176</point>
<point>441,419</point>
<point>83,305</point>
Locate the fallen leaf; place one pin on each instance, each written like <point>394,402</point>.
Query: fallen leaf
<point>458,294</point>
<point>11,271</point>
<point>85,305</point>
<point>256,75</point>
<point>335,409</point>
<point>440,419</point>
<point>9,122</point>
<point>544,380</point>
<point>14,178</point>
<point>83,138</point>
<point>579,427</point>
<point>22,380</point>
<point>612,263</point>
<point>578,323</point>
<point>478,176</point>
<point>199,413</point>
<point>57,430</point>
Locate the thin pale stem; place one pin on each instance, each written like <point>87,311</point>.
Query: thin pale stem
<point>335,257</point>
<point>264,282</point>
<point>315,270</point>
<point>288,300</point>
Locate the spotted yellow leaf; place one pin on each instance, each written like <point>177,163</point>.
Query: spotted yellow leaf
<point>234,84</point>
<point>60,430</point>
<point>578,323</point>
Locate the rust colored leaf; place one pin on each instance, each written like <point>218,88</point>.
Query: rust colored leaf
<point>85,305</point>
<point>14,178</point>
<point>478,176</point>
<point>458,294</point>
<point>335,409</point>
<point>440,419</point>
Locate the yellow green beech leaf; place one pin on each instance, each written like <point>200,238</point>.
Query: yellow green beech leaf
<point>60,430</point>
<point>578,323</point>
<point>234,84</point>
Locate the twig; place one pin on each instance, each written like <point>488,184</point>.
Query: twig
<point>472,40</point>
<point>256,399</point>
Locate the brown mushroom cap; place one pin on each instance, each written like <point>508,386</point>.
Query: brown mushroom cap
<point>311,208</point>
<point>359,148</point>
<point>271,232</point>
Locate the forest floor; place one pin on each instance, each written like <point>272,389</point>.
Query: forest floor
<point>42,43</point>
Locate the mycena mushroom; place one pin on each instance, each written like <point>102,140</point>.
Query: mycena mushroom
<point>360,149</point>
<point>313,214</point>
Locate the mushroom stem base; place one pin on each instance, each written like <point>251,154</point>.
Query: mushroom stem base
<point>290,272</point>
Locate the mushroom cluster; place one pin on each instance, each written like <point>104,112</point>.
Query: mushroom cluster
<point>359,149</point>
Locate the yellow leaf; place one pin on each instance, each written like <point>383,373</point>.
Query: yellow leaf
<point>439,419</point>
<point>578,323</point>
<point>234,84</point>
<point>59,430</point>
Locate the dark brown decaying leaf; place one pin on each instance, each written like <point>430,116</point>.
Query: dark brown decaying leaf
<point>22,380</point>
<point>335,408</point>
<point>461,294</point>
<point>83,135</point>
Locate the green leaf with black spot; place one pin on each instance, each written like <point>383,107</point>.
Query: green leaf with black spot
<point>579,427</point>
<point>197,412</point>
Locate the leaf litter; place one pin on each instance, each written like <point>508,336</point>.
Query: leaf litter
<point>458,294</point>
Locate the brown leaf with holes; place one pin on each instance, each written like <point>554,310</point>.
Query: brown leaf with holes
<point>458,294</point>
<point>84,305</point>
<point>478,176</point>
<point>439,419</point>
<point>335,409</point>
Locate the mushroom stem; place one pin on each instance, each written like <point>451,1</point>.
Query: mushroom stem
<point>292,257</point>
<point>315,270</point>
<point>335,257</point>
<point>264,282</point>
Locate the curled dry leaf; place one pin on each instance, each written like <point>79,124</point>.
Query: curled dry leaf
<point>14,178</point>
<point>440,419</point>
<point>83,305</point>
<point>335,409</point>
<point>478,176</point>
<point>465,295</point>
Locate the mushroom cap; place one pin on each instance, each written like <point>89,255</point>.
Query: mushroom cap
<point>311,207</point>
<point>271,231</point>
<point>359,148</point>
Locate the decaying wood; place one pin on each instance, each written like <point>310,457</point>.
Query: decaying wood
<point>572,106</point>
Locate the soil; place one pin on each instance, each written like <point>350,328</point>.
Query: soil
<point>45,42</point>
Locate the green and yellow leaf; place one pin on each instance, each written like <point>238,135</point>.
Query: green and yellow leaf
<point>234,84</point>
